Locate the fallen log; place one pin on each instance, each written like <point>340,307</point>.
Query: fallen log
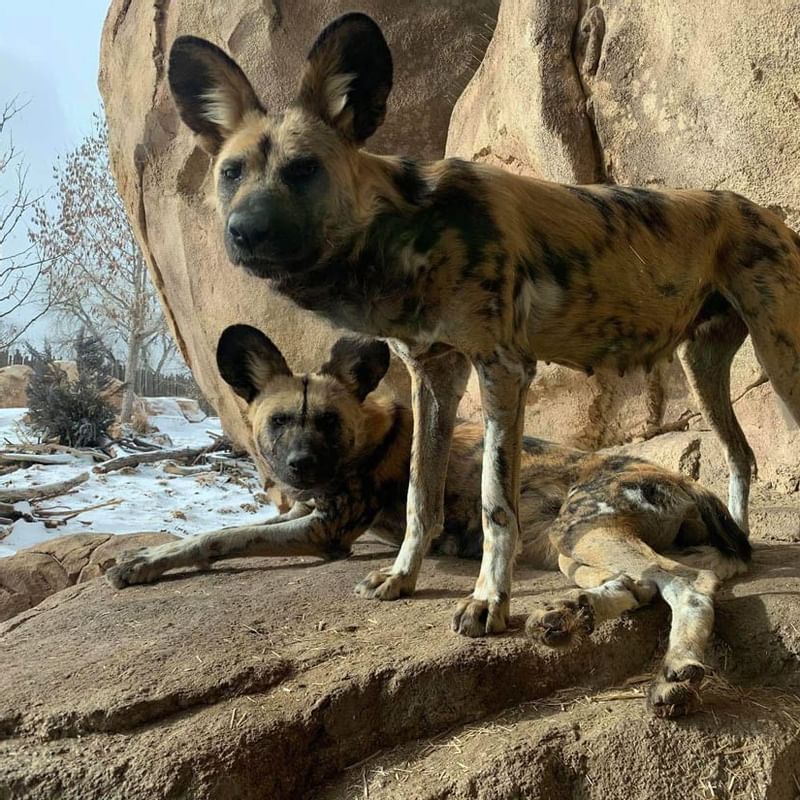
<point>64,515</point>
<point>176,469</point>
<point>43,491</point>
<point>51,447</point>
<point>135,459</point>
<point>35,458</point>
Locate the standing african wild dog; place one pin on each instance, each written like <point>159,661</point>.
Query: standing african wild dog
<point>343,456</point>
<point>459,262</point>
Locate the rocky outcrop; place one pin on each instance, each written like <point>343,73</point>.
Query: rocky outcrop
<point>270,679</point>
<point>69,368</point>
<point>163,175</point>
<point>30,575</point>
<point>14,381</point>
<point>525,108</point>
<point>652,96</point>
<point>188,687</point>
<point>186,407</point>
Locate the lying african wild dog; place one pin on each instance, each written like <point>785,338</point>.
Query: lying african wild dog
<point>343,456</point>
<point>459,262</point>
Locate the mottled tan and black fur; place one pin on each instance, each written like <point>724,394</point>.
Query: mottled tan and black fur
<point>620,528</point>
<point>458,263</point>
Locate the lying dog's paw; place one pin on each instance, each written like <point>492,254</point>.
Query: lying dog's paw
<point>676,690</point>
<point>383,584</point>
<point>480,617</point>
<point>556,624</point>
<point>136,566</point>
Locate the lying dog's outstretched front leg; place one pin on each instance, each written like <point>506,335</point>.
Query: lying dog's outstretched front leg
<point>291,534</point>
<point>438,380</point>
<point>504,382</point>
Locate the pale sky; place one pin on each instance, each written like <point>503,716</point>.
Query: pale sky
<point>49,53</point>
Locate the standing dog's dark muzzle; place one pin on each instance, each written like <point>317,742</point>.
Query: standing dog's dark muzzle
<point>261,233</point>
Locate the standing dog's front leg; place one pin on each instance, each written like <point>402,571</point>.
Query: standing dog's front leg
<point>438,381</point>
<point>504,383</point>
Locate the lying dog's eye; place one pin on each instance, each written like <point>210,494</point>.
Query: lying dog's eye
<point>231,172</point>
<point>327,421</point>
<point>279,421</point>
<point>300,170</point>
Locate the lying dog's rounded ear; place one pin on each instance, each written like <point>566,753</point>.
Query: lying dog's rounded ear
<point>348,77</point>
<point>248,360</point>
<point>211,92</point>
<point>359,364</point>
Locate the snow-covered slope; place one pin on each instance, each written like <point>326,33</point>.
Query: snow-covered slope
<point>150,499</point>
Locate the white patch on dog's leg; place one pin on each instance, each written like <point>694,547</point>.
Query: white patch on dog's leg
<point>675,691</point>
<point>738,497</point>
<point>613,598</point>
<point>504,382</point>
<point>555,623</point>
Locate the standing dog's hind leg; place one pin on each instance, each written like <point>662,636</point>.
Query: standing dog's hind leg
<point>437,383</point>
<point>504,386</point>
<point>764,284</point>
<point>777,345</point>
<point>707,362</point>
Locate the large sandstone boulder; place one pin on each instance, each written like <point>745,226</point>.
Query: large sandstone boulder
<point>14,381</point>
<point>270,679</point>
<point>661,94</point>
<point>163,175</point>
<point>34,573</point>
<point>69,368</point>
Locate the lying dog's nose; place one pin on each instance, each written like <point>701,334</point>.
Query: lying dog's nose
<point>247,230</point>
<point>301,463</point>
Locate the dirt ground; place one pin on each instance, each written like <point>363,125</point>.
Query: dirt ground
<point>271,680</point>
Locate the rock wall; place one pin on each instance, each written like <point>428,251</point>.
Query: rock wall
<point>264,680</point>
<point>652,94</point>
<point>14,381</point>
<point>163,175</point>
<point>629,91</point>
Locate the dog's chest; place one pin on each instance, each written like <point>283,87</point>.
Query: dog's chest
<point>369,298</point>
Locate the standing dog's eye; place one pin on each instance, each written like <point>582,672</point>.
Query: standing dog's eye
<point>299,170</point>
<point>232,171</point>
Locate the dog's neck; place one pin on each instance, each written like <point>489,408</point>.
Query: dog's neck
<point>369,282</point>
<point>387,428</point>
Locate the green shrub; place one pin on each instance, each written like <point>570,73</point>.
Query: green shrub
<point>71,412</point>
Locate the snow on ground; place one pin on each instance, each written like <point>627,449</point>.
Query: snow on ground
<point>150,499</point>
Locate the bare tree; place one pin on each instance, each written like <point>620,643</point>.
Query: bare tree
<point>95,273</point>
<point>21,269</point>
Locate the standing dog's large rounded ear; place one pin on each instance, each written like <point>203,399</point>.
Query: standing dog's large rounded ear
<point>211,92</point>
<point>359,364</point>
<point>349,76</point>
<point>248,360</point>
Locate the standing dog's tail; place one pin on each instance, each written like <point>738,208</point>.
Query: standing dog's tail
<point>727,550</point>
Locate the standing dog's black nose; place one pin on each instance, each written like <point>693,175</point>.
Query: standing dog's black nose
<point>248,230</point>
